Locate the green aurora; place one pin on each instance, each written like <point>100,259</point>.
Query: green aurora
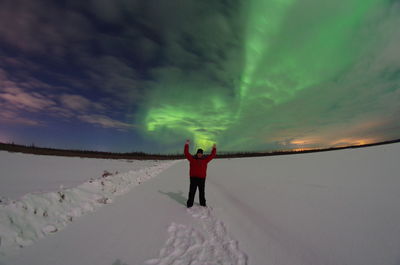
<point>286,53</point>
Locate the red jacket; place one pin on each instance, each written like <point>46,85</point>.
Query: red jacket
<point>198,167</point>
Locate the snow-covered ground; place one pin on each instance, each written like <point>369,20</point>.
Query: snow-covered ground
<point>25,173</point>
<point>39,213</point>
<point>337,207</point>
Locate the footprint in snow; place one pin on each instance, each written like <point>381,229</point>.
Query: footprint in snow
<point>207,245</point>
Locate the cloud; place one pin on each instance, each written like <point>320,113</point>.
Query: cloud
<point>24,94</point>
<point>105,122</point>
<point>79,103</point>
<point>18,98</point>
<point>114,77</point>
<point>75,102</point>
<point>114,12</point>
<point>10,117</point>
<point>41,27</point>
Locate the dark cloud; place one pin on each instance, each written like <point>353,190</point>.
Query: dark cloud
<point>41,27</point>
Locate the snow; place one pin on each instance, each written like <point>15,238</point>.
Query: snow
<point>35,215</point>
<point>336,207</point>
<point>186,245</point>
<point>25,173</point>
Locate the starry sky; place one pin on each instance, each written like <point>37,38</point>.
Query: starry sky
<point>254,75</point>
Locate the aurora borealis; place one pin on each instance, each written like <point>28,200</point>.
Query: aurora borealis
<point>247,75</point>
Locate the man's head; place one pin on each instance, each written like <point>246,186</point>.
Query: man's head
<point>199,153</point>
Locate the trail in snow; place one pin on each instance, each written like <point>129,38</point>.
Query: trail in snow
<point>36,215</point>
<point>209,244</point>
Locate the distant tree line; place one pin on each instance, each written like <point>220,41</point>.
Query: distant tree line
<point>32,149</point>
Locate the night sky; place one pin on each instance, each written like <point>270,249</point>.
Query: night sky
<point>251,75</point>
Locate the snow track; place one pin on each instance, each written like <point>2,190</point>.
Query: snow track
<point>36,215</point>
<point>209,244</point>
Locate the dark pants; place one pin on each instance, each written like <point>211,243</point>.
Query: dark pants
<point>194,183</point>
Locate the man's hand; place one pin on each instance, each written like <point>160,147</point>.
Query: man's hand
<point>187,141</point>
<point>214,146</point>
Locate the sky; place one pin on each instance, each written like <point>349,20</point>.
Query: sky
<point>131,75</point>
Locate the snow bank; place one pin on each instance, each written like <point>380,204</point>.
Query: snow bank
<point>36,215</point>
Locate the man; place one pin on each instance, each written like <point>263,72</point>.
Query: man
<point>198,173</point>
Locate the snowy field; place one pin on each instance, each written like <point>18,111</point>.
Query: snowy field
<point>337,207</point>
<point>25,173</point>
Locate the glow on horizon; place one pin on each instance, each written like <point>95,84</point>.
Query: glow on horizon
<point>4,138</point>
<point>353,141</point>
<point>311,143</point>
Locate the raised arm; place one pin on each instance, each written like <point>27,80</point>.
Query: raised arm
<point>186,151</point>
<point>213,153</point>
